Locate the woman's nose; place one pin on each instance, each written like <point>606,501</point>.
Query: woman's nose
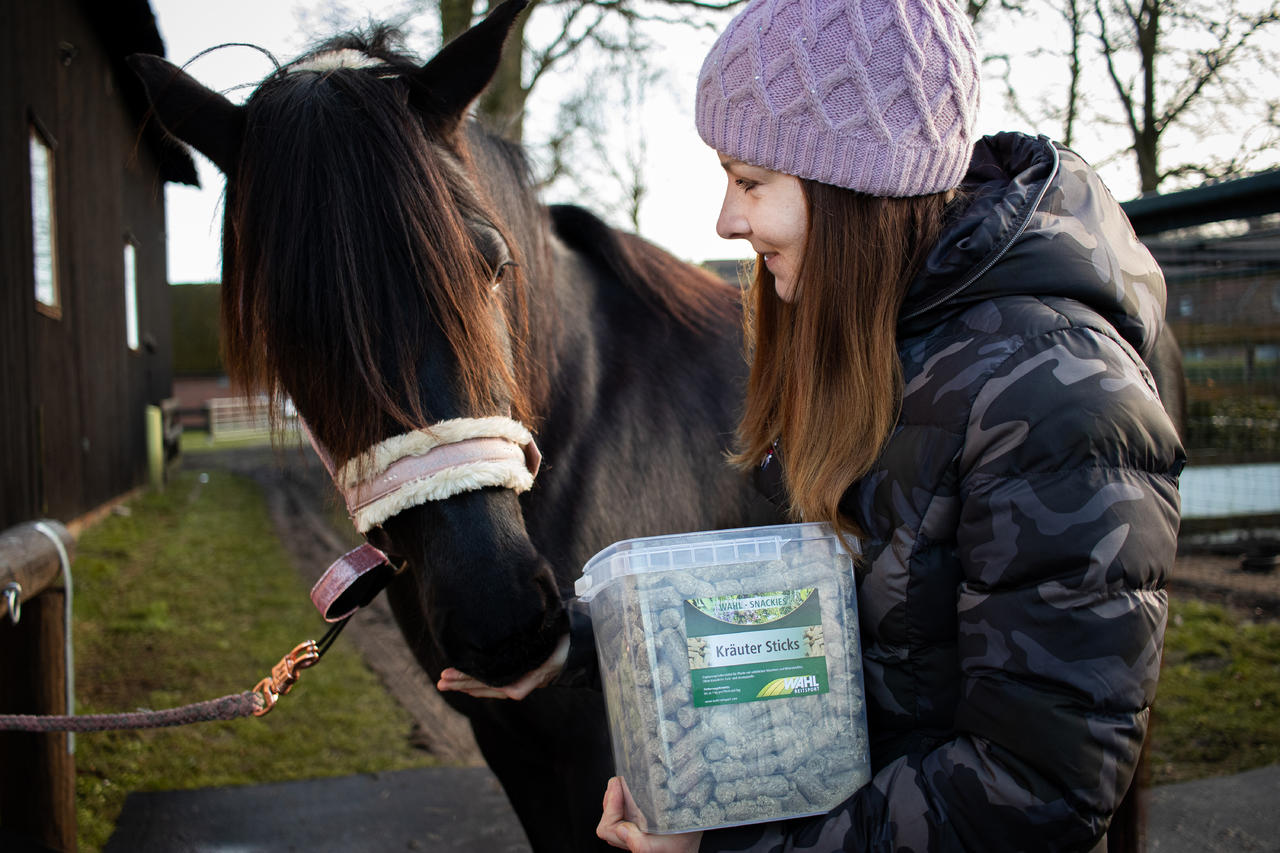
<point>731,225</point>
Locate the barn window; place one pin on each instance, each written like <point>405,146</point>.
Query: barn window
<point>130,295</point>
<point>43,224</point>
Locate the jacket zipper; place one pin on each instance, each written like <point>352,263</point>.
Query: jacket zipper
<point>1022,226</point>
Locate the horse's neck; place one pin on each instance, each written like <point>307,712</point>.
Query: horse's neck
<point>564,327</point>
<point>635,431</point>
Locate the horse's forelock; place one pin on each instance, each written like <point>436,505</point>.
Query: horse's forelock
<point>331,60</point>
<point>381,45</point>
<point>346,249</point>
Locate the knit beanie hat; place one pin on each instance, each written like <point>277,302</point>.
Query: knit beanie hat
<point>878,96</point>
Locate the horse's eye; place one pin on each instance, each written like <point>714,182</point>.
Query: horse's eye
<point>493,248</point>
<point>500,273</point>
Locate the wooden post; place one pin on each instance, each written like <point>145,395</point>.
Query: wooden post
<point>172,432</point>
<point>155,446</point>
<point>37,771</point>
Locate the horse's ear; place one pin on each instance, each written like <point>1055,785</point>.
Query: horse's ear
<point>197,115</point>
<point>443,88</point>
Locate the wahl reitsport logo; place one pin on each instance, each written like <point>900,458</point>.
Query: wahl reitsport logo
<point>794,685</point>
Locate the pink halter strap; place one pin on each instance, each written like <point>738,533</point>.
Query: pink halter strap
<point>469,456</point>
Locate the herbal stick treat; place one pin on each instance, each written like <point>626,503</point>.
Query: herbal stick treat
<point>732,675</point>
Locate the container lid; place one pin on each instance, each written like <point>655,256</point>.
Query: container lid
<point>683,551</point>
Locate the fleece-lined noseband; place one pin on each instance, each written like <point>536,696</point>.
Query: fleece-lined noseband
<point>429,464</point>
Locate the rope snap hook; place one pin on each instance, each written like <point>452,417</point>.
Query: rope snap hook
<point>12,591</point>
<point>285,674</point>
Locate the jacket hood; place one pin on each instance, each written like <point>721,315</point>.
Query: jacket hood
<point>1037,221</point>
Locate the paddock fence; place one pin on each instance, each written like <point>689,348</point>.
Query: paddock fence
<point>1219,247</point>
<point>247,417</point>
<point>37,771</point>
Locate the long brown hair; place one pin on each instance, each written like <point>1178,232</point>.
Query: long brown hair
<point>825,376</point>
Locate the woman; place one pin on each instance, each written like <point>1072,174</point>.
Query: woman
<point>947,362</point>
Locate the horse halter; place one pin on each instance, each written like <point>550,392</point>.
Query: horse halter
<point>445,459</point>
<point>429,464</point>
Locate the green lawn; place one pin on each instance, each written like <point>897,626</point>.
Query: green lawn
<point>195,441</point>
<point>189,597</point>
<point>1217,707</point>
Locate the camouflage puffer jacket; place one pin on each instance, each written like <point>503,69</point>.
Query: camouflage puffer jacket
<point>1022,520</point>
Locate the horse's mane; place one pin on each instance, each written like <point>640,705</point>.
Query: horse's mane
<point>691,295</point>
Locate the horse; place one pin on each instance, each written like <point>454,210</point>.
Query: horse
<point>389,269</point>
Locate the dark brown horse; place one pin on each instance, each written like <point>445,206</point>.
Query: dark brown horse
<point>387,267</point>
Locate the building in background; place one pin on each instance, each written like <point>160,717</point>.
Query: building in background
<point>85,335</point>
<point>198,373</point>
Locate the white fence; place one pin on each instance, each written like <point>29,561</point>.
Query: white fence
<point>245,417</point>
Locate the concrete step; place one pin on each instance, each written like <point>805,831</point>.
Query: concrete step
<point>457,809</point>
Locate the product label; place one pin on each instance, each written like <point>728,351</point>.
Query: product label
<point>744,648</point>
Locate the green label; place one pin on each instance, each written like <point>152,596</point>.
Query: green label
<point>744,648</point>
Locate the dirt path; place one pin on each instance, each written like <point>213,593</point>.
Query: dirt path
<point>298,493</point>
<point>1220,578</point>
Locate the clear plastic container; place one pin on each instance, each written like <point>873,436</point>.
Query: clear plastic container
<point>732,674</point>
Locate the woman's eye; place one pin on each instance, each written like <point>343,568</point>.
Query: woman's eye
<point>745,184</point>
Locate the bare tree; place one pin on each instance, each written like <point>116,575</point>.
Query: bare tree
<point>975,8</point>
<point>1157,73</point>
<point>597,143</point>
<point>605,27</point>
<point>1190,64</point>
<point>1073,15</point>
<point>1059,103</point>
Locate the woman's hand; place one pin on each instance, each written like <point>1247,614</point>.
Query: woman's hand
<point>620,832</point>
<point>453,679</point>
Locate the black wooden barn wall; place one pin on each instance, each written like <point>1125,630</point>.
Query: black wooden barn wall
<point>72,393</point>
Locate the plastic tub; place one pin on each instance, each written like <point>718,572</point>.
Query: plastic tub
<point>732,674</point>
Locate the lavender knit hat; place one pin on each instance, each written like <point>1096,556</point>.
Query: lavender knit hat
<point>878,96</point>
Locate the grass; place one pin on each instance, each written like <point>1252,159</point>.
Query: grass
<point>188,597</point>
<point>1217,708</point>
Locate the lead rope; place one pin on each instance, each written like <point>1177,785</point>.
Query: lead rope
<point>256,702</point>
<point>460,450</point>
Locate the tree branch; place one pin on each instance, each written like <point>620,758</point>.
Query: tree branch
<point>1108,53</point>
<point>561,46</point>
<point>1214,61</point>
<point>975,8</point>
